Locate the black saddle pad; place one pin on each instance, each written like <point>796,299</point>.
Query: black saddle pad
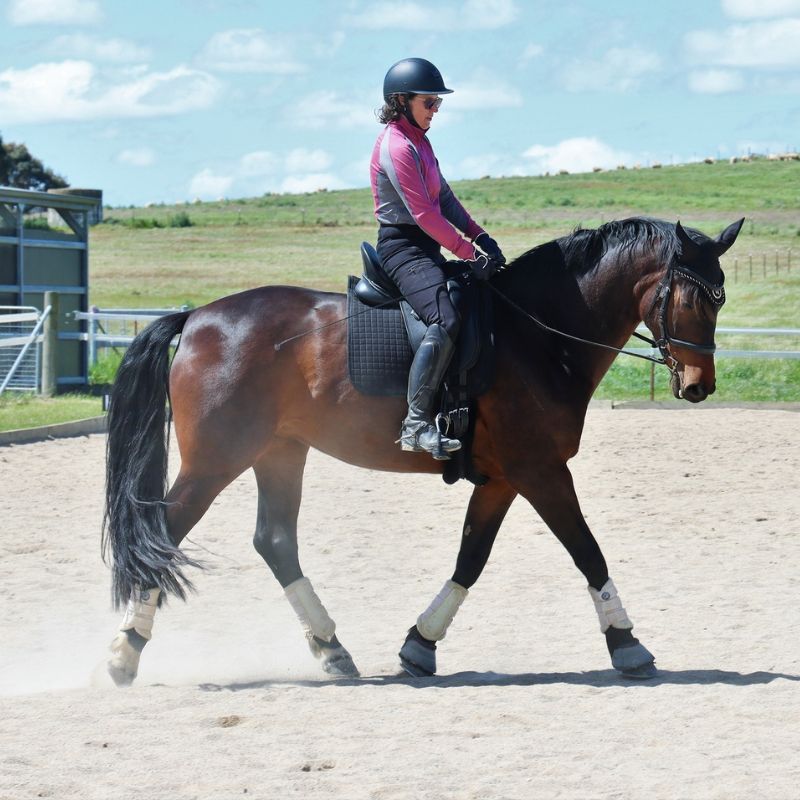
<point>378,353</point>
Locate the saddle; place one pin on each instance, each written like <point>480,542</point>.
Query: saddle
<point>384,332</point>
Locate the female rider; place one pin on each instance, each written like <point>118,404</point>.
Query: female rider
<point>418,215</point>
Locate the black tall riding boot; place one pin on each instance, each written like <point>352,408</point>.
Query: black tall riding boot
<point>419,432</point>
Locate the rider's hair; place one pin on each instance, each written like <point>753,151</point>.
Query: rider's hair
<point>392,109</point>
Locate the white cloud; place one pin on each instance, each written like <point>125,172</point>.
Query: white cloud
<point>715,81</point>
<point>302,160</point>
<point>580,154</point>
<point>297,184</point>
<point>619,69</point>
<point>755,9</point>
<point>257,164</point>
<point>329,109</point>
<point>762,44</point>
<point>79,45</point>
<point>531,52</point>
<point>299,170</point>
<point>137,157</point>
<point>54,12</point>
<point>73,90</point>
<point>471,14</point>
<point>250,50</point>
<point>489,164</point>
<point>483,91</point>
<point>485,14</point>
<point>207,185</point>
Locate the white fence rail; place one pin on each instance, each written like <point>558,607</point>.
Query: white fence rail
<point>20,347</point>
<point>116,327</point>
<point>758,332</point>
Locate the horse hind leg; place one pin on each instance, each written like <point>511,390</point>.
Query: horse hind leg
<point>187,501</point>
<point>279,475</point>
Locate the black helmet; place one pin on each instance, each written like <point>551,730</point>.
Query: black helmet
<point>413,76</point>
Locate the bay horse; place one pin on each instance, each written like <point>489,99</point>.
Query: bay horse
<point>241,401</point>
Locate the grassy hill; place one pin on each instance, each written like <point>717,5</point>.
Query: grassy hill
<point>313,239</point>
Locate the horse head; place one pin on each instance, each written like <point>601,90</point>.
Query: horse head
<point>683,314</point>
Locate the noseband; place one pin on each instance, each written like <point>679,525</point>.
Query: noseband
<point>714,293</point>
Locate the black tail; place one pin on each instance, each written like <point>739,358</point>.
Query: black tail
<point>135,523</point>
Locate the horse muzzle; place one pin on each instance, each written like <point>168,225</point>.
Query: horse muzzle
<point>693,383</point>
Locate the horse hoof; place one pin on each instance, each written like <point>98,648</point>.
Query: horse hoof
<point>634,661</point>
<point>126,650</point>
<point>336,661</point>
<point>339,664</point>
<point>643,673</point>
<point>418,655</point>
<point>120,675</point>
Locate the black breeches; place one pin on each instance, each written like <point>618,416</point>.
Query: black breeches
<point>414,262</point>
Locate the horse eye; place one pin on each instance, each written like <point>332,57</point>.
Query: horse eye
<point>687,305</point>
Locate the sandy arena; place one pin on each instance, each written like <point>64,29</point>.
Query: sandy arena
<point>698,514</point>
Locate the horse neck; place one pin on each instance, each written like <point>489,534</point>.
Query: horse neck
<point>602,304</point>
<point>616,294</point>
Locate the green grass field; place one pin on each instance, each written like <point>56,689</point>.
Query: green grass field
<point>166,256</point>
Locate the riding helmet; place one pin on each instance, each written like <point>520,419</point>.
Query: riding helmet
<point>413,76</point>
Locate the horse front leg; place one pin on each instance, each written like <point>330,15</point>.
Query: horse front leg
<point>487,509</point>
<point>279,475</point>
<point>553,496</point>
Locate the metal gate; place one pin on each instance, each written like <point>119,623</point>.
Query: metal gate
<point>20,347</point>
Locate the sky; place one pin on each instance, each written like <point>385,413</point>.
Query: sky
<point>178,100</point>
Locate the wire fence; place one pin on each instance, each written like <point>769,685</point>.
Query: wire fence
<point>752,267</point>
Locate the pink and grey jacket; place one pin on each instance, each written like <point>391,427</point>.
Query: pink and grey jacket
<point>408,189</point>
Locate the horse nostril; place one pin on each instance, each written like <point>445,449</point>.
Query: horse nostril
<point>695,393</point>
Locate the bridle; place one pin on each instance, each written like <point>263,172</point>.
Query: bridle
<point>715,293</point>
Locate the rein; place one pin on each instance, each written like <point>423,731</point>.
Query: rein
<point>714,292</point>
<point>557,332</point>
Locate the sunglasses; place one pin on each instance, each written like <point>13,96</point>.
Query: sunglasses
<point>432,103</point>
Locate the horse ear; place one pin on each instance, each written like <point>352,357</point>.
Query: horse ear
<point>690,250</point>
<point>728,237</point>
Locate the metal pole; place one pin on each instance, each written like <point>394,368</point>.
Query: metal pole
<point>21,253</point>
<point>49,346</point>
<point>92,338</point>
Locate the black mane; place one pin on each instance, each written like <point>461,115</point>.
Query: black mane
<point>583,248</point>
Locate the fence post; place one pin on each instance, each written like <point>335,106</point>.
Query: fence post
<point>50,345</point>
<point>652,381</point>
<point>93,323</point>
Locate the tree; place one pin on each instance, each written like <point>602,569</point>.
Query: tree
<point>5,165</point>
<point>18,168</point>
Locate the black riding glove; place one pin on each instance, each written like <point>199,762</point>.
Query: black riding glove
<point>483,267</point>
<point>491,248</point>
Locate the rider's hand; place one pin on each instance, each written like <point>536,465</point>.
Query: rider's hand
<point>491,248</point>
<point>483,267</point>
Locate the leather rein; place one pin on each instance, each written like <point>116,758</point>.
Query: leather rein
<point>715,293</point>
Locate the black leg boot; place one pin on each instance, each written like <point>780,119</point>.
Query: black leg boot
<point>419,432</point>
